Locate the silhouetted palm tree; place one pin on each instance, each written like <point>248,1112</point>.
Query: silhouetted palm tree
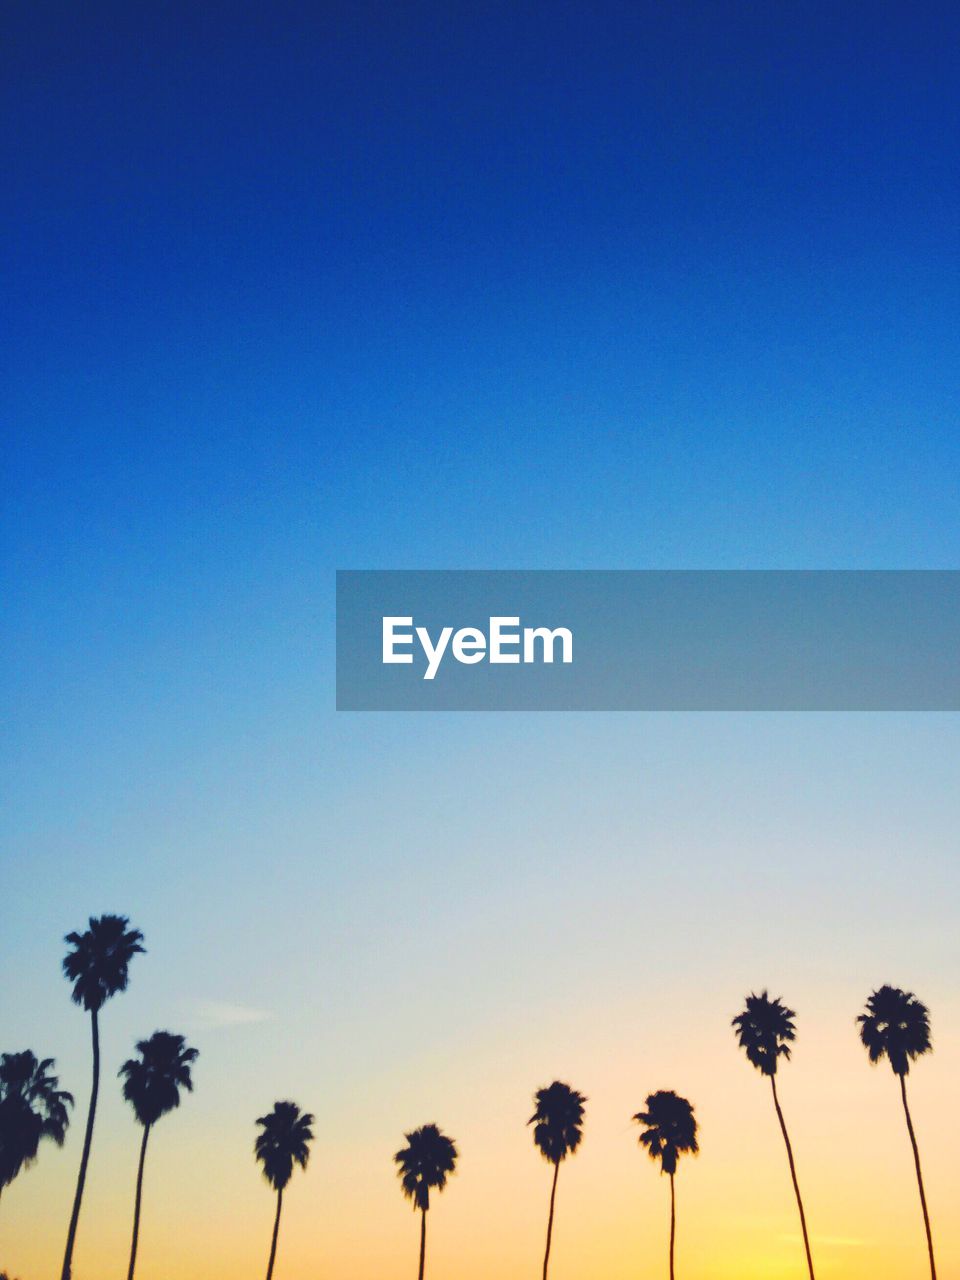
<point>896,1026</point>
<point>764,1031</point>
<point>97,965</point>
<point>32,1108</point>
<point>284,1141</point>
<point>152,1084</point>
<point>425,1162</point>
<point>671,1130</point>
<point>557,1132</point>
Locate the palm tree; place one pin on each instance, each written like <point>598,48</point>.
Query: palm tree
<point>896,1026</point>
<point>285,1139</point>
<point>97,965</point>
<point>152,1084</point>
<point>671,1130</point>
<point>424,1162</point>
<point>557,1132</point>
<point>765,1030</point>
<point>32,1108</point>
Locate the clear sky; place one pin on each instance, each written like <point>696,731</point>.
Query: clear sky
<point>297,287</point>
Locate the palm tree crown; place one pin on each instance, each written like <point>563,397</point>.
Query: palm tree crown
<point>557,1121</point>
<point>285,1137</point>
<point>152,1082</point>
<point>32,1108</point>
<point>895,1026</point>
<point>671,1128</point>
<point>425,1162</point>
<point>97,966</point>
<point>764,1031</point>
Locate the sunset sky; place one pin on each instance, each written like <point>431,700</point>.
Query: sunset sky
<point>306,287</point>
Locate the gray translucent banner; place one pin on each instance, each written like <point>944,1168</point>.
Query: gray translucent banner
<point>753,640</point>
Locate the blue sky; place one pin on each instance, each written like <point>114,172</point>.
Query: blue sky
<point>301,287</point>
<point>507,286</point>
<point>371,286</point>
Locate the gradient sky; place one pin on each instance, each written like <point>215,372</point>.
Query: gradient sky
<point>301,287</point>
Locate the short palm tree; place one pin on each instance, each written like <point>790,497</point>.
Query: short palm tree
<point>670,1131</point>
<point>896,1026</point>
<point>98,966</point>
<point>557,1132</point>
<point>283,1141</point>
<point>152,1084</point>
<point>765,1031</point>
<point>424,1162</point>
<point>32,1107</point>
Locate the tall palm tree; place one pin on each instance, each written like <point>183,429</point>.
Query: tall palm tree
<point>765,1031</point>
<point>424,1162</point>
<point>97,964</point>
<point>152,1084</point>
<point>32,1107</point>
<point>284,1140</point>
<point>671,1130</point>
<point>896,1026</point>
<point>557,1132</point>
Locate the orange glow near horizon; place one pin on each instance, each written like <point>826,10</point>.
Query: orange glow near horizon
<point>208,1212</point>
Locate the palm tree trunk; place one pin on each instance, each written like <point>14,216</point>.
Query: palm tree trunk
<point>136,1203</point>
<point>276,1229</point>
<point>793,1175</point>
<point>916,1161</point>
<point>85,1157</point>
<point>553,1200</point>
<point>423,1243</point>
<point>673,1223</point>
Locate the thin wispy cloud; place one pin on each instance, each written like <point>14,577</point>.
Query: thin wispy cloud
<point>222,1013</point>
<point>838,1242</point>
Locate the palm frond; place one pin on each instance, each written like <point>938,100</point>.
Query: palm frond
<point>425,1163</point>
<point>152,1082</point>
<point>32,1107</point>
<point>99,960</point>
<point>284,1140</point>
<point>670,1129</point>
<point>765,1030</point>
<point>557,1121</point>
<point>895,1025</point>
